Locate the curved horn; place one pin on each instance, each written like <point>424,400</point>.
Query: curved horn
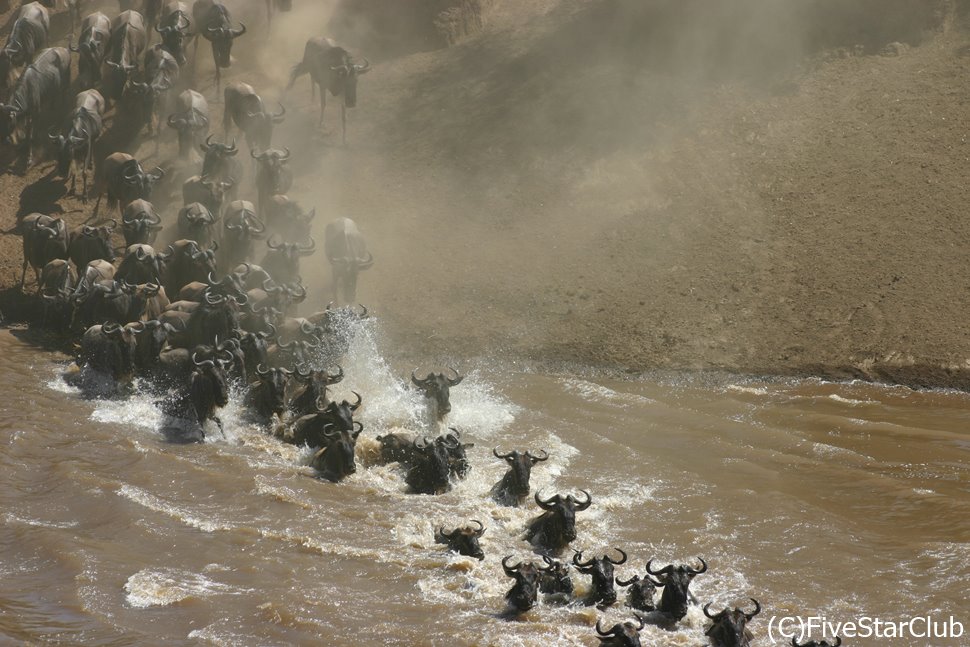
<point>708,613</point>
<point>418,382</point>
<point>578,559</point>
<point>510,570</point>
<point>236,33</point>
<point>334,378</point>
<point>585,504</point>
<point>545,505</point>
<point>613,561</point>
<point>502,456</point>
<point>632,580</point>
<point>757,610</point>
<point>693,571</point>
<point>356,405</point>
<point>538,459</point>
<point>605,634</point>
<point>261,370</point>
<point>457,379</point>
<point>481,528</point>
<point>446,535</point>
<point>663,571</point>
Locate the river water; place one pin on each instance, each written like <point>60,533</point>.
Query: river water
<point>818,499</point>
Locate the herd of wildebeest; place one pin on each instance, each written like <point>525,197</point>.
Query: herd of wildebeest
<point>187,321</point>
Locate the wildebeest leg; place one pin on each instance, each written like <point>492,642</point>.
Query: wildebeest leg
<point>323,103</point>
<point>343,123</point>
<point>23,275</point>
<point>30,141</point>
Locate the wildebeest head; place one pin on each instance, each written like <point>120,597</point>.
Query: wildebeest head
<point>217,157</point>
<point>150,342</point>
<point>431,467</point>
<point>817,643</point>
<point>624,634</point>
<point>140,265</point>
<point>136,183</point>
<point>173,35</point>
<point>282,260</point>
<point>272,389</point>
<point>195,222</point>
<point>68,148</point>
<point>91,243</point>
<point>676,582</point>
<point>259,131</point>
<point>729,629</point>
<point>315,385</point>
<point>12,118</point>
<point>436,387</point>
<point>556,527</point>
<point>601,570</point>
<point>346,80</point>
<point>188,128</point>
<point>464,540</point>
<point>524,593</point>
<point>514,486</point>
<point>640,595</point>
<point>140,223</point>
<point>118,78</point>
<point>556,580</point>
<point>221,39</point>
<point>209,385</point>
<point>336,459</point>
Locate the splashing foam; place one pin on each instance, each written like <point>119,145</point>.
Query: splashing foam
<point>165,586</point>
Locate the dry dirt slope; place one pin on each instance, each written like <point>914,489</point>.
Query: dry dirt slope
<point>761,187</point>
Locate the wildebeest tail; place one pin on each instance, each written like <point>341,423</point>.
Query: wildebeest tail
<point>298,70</point>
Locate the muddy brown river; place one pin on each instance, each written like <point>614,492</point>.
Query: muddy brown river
<point>837,501</point>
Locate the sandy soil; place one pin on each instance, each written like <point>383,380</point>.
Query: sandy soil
<point>639,186</point>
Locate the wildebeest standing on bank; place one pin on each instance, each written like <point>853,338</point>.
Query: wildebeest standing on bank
<point>244,108</point>
<point>190,120</point>
<point>124,180</point>
<point>45,239</point>
<point>331,68</point>
<point>125,49</point>
<point>41,94</point>
<point>77,147</point>
<point>27,37</point>
<point>92,49</point>
<point>214,22</point>
<point>347,252</point>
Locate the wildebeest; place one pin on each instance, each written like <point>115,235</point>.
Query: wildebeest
<point>601,591</point>
<point>818,643</point>
<point>282,261</point>
<point>141,264</point>
<point>624,634</point>
<point>244,108</point>
<point>241,228</point>
<point>331,68</point>
<point>214,22</point>
<point>347,253</point>
<point>186,261</point>
<point>314,391</point>
<point>273,176</point>
<point>463,540</point>
<point>513,488</point>
<point>525,592</point>
<point>45,238</point>
<point>552,531</point>
<point>173,28</point>
<point>640,594</point>
<point>436,388</point>
<point>196,222</point>
<point>92,49</point>
<point>40,93</point>
<point>209,191</point>
<point>285,217</point>
<point>86,244</point>
<point>335,460</point>
<point>190,120</point>
<point>676,582</point>
<point>208,389</point>
<point>77,147</point>
<point>309,429</point>
<point>124,180</point>
<point>125,49</point>
<point>267,395</point>
<point>729,628</point>
<point>109,349</point>
<point>57,281</point>
<point>429,471</point>
<point>153,334</point>
<point>161,75</point>
<point>555,582</point>
<point>27,37</point>
<point>140,223</point>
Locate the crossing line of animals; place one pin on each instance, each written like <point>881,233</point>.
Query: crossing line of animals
<point>165,317</point>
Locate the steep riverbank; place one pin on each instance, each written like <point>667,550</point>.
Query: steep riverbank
<point>644,186</point>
